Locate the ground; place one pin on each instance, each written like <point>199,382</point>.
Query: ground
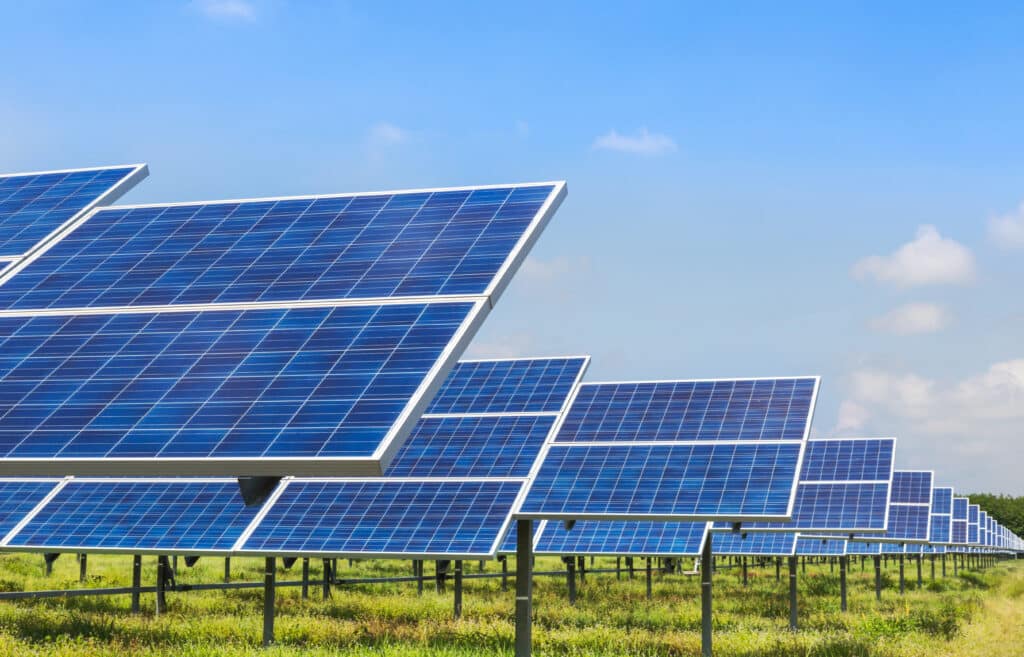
<point>976,613</point>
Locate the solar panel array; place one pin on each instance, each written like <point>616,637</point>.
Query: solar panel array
<point>941,532</point>
<point>821,547</point>
<point>910,507</point>
<point>35,206</point>
<point>676,450</point>
<point>844,486</point>
<point>617,537</point>
<point>299,336</point>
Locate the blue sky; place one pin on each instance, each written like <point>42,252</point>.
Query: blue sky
<point>752,190</point>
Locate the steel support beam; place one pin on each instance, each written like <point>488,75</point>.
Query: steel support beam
<point>842,583</point>
<point>269,575</point>
<point>524,588</point>
<point>792,594</point>
<point>706,567</point>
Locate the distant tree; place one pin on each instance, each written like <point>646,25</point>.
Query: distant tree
<point>1007,510</point>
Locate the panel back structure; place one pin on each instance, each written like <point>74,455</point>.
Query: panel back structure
<point>37,207</point>
<point>844,487</point>
<point>266,337</point>
<point>677,451</point>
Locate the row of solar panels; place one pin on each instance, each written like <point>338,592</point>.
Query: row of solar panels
<point>307,336</point>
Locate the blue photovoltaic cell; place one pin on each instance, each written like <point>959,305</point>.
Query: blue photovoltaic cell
<point>848,460</point>
<point>620,538</point>
<point>960,505</point>
<point>18,497</point>
<point>342,247</point>
<point>762,409</point>
<point>851,507</point>
<point>693,480</point>
<point>942,500</point>
<point>973,512</point>
<point>489,446</point>
<point>300,382</point>
<point>859,548</point>
<point>893,548</point>
<point>538,385</point>
<point>754,543</point>
<point>960,531</point>
<point>140,515</point>
<point>911,487</point>
<point>385,517</point>
<point>908,522</point>
<point>940,529</point>
<point>34,205</point>
<point>820,547</point>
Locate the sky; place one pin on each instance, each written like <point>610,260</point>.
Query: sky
<point>754,190</point>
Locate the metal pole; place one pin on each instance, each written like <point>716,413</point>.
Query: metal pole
<point>162,566</point>
<point>920,581</point>
<point>842,583</point>
<point>878,577</point>
<point>328,576</point>
<point>227,569</point>
<point>136,582</point>
<point>504,574</point>
<point>458,589</point>
<point>570,577</point>
<point>778,569</point>
<point>792,593</point>
<point>649,591</point>
<point>81,568</point>
<point>269,569</point>
<point>629,564</point>
<point>419,577</point>
<point>903,584</point>
<point>932,560</point>
<point>524,587</point>
<point>305,578</point>
<point>744,571</point>
<point>582,567</point>
<point>803,565</point>
<point>956,568</point>
<point>618,568</point>
<point>705,598</point>
<point>943,565</point>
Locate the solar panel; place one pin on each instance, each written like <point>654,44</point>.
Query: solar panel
<point>392,518</point>
<point>242,385</point>
<point>973,535</point>
<point>677,450</point>
<point>36,206</point>
<point>362,246</point>
<point>519,385</point>
<point>844,486</point>
<point>982,528</point>
<point>815,547</point>
<point>619,538</point>
<point>193,516</point>
<point>859,548</point>
<point>451,487</point>
<point>942,516</point>
<point>411,274</point>
<point>960,514</point>
<point>754,544</point>
<point>911,487</point>
<point>18,497</point>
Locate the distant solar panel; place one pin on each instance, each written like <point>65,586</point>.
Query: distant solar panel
<point>911,487</point>
<point>982,528</point>
<point>138,515</point>
<point>814,547</point>
<point>844,486</point>
<point>973,513</point>
<point>36,206</point>
<point>960,515</point>
<point>619,538</point>
<point>401,244</point>
<point>521,385</point>
<point>18,497</point>
<point>701,450</point>
<point>942,516</point>
<point>754,544</point>
<point>859,548</point>
<point>385,518</point>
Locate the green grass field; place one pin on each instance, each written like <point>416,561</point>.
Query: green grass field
<point>977,613</point>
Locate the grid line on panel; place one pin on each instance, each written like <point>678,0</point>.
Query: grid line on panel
<point>538,385</point>
<point>867,459</point>
<point>911,487</point>
<point>140,514</point>
<point>18,497</point>
<point>34,205</point>
<point>402,244</point>
<point>258,383</point>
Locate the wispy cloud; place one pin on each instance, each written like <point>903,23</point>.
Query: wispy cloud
<point>387,133</point>
<point>506,346</point>
<point>1007,231</point>
<point>226,10</point>
<point>928,259</point>
<point>913,319</point>
<point>643,143</point>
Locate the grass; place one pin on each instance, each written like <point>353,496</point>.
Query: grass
<point>976,613</point>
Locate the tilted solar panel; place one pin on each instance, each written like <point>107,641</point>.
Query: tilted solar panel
<point>36,206</point>
<point>420,268</point>
<point>942,516</point>
<point>389,518</point>
<point>193,516</point>
<point>960,515</point>
<point>911,487</point>
<point>754,544</point>
<point>973,534</point>
<point>619,538</point>
<point>18,497</point>
<point>676,450</point>
<point>517,385</point>
<point>859,548</point>
<point>814,547</point>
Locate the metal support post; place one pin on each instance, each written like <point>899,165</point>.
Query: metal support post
<point>328,576</point>
<point>920,581</point>
<point>744,571</point>
<point>136,582</point>
<point>458,589</point>
<point>903,584</point>
<point>269,572</point>
<point>842,583</point>
<point>305,578</point>
<point>649,583</point>
<point>524,587</point>
<point>227,569</point>
<point>792,594</point>
<point>504,574</point>
<point>570,577</point>
<point>878,577</point>
<point>706,567</point>
<point>82,559</point>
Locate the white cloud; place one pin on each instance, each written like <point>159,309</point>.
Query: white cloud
<point>387,133</point>
<point>928,259</point>
<point>643,143</point>
<point>1008,231</point>
<point>230,10</point>
<point>507,346</point>
<point>912,319</point>
<point>968,430</point>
